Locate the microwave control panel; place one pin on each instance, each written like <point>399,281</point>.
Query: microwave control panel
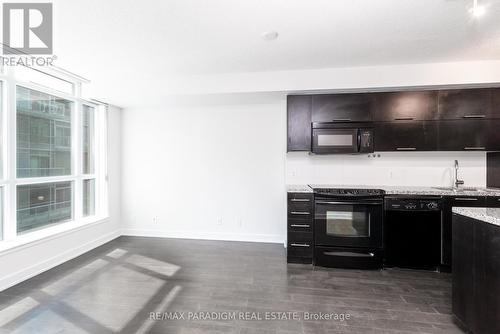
<point>366,141</point>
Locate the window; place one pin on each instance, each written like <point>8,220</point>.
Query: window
<point>88,197</point>
<point>54,163</point>
<point>43,134</point>
<point>39,205</point>
<point>88,139</point>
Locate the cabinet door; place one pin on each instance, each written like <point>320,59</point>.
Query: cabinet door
<point>462,273</point>
<point>299,123</point>
<point>469,135</point>
<point>465,104</point>
<point>486,278</point>
<point>406,136</point>
<point>495,104</point>
<point>493,202</point>
<point>343,108</point>
<point>406,106</point>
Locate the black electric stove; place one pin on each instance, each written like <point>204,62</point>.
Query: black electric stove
<point>348,227</point>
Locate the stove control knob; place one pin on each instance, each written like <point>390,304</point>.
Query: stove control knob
<point>432,205</point>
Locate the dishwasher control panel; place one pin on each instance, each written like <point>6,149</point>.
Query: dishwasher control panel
<point>413,204</point>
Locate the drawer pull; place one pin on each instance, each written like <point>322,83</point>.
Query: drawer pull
<point>300,200</point>
<point>465,199</point>
<point>299,245</point>
<point>349,254</point>
<point>341,120</point>
<point>474,116</point>
<point>300,225</point>
<point>300,213</point>
<point>406,148</point>
<point>404,119</point>
<point>475,148</point>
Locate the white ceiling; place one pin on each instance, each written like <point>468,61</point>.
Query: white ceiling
<point>123,44</point>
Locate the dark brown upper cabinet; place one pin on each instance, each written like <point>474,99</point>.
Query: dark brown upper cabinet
<point>343,108</point>
<point>406,136</point>
<point>299,122</point>
<point>397,106</point>
<point>495,102</point>
<point>466,104</point>
<point>472,135</point>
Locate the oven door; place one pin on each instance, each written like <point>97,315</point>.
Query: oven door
<point>356,223</point>
<point>326,141</point>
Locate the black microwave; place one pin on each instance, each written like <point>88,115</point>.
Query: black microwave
<point>337,138</point>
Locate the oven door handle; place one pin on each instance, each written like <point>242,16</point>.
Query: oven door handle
<point>350,203</point>
<point>349,254</point>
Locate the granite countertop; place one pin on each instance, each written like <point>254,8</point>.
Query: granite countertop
<point>400,190</point>
<point>488,215</point>
<point>298,188</point>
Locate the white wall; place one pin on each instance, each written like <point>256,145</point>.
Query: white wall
<point>210,171</point>
<point>186,166</point>
<point>394,169</point>
<point>29,260</point>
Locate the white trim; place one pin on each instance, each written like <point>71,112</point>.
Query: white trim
<point>270,238</point>
<point>26,273</point>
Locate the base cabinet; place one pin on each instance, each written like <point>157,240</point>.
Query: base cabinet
<point>300,228</point>
<point>476,274</point>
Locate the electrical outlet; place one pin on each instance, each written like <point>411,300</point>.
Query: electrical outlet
<point>240,222</point>
<point>219,221</point>
<point>155,220</point>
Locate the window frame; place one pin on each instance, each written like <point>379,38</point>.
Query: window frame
<point>8,153</point>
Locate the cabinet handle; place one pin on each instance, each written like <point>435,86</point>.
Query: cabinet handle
<point>474,148</point>
<point>300,225</point>
<point>465,199</point>
<point>300,200</point>
<point>341,120</point>
<point>404,119</point>
<point>406,148</point>
<point>474,116</point>
<point>300,245</point>
<point>300,213</point>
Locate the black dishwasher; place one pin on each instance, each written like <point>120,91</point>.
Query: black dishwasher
<point>413,228</point>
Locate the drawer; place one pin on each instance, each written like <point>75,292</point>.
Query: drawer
<point>468,201</point>
<point>300,237</point>
<point>493,202</point>
<point>300,198</point>
<point>351,258</point>
<point>298,249</point>
<point>303,215</point>
<point>300,225</point>
<point>299,207</point>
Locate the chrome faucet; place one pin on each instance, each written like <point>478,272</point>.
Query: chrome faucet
<point>457,181</point>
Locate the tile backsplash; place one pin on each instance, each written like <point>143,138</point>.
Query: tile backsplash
<point>390,168</point>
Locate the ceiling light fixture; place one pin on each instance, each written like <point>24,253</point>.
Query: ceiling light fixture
<point>477,10</point>
<point>270,35</point>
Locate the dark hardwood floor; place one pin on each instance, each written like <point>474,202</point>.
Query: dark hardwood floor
<point>117,287</point>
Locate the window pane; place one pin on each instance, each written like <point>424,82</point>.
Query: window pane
<point>40,205</point>
<point>43,134</point>
<point>88,197</point>
<point>88,139</point>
